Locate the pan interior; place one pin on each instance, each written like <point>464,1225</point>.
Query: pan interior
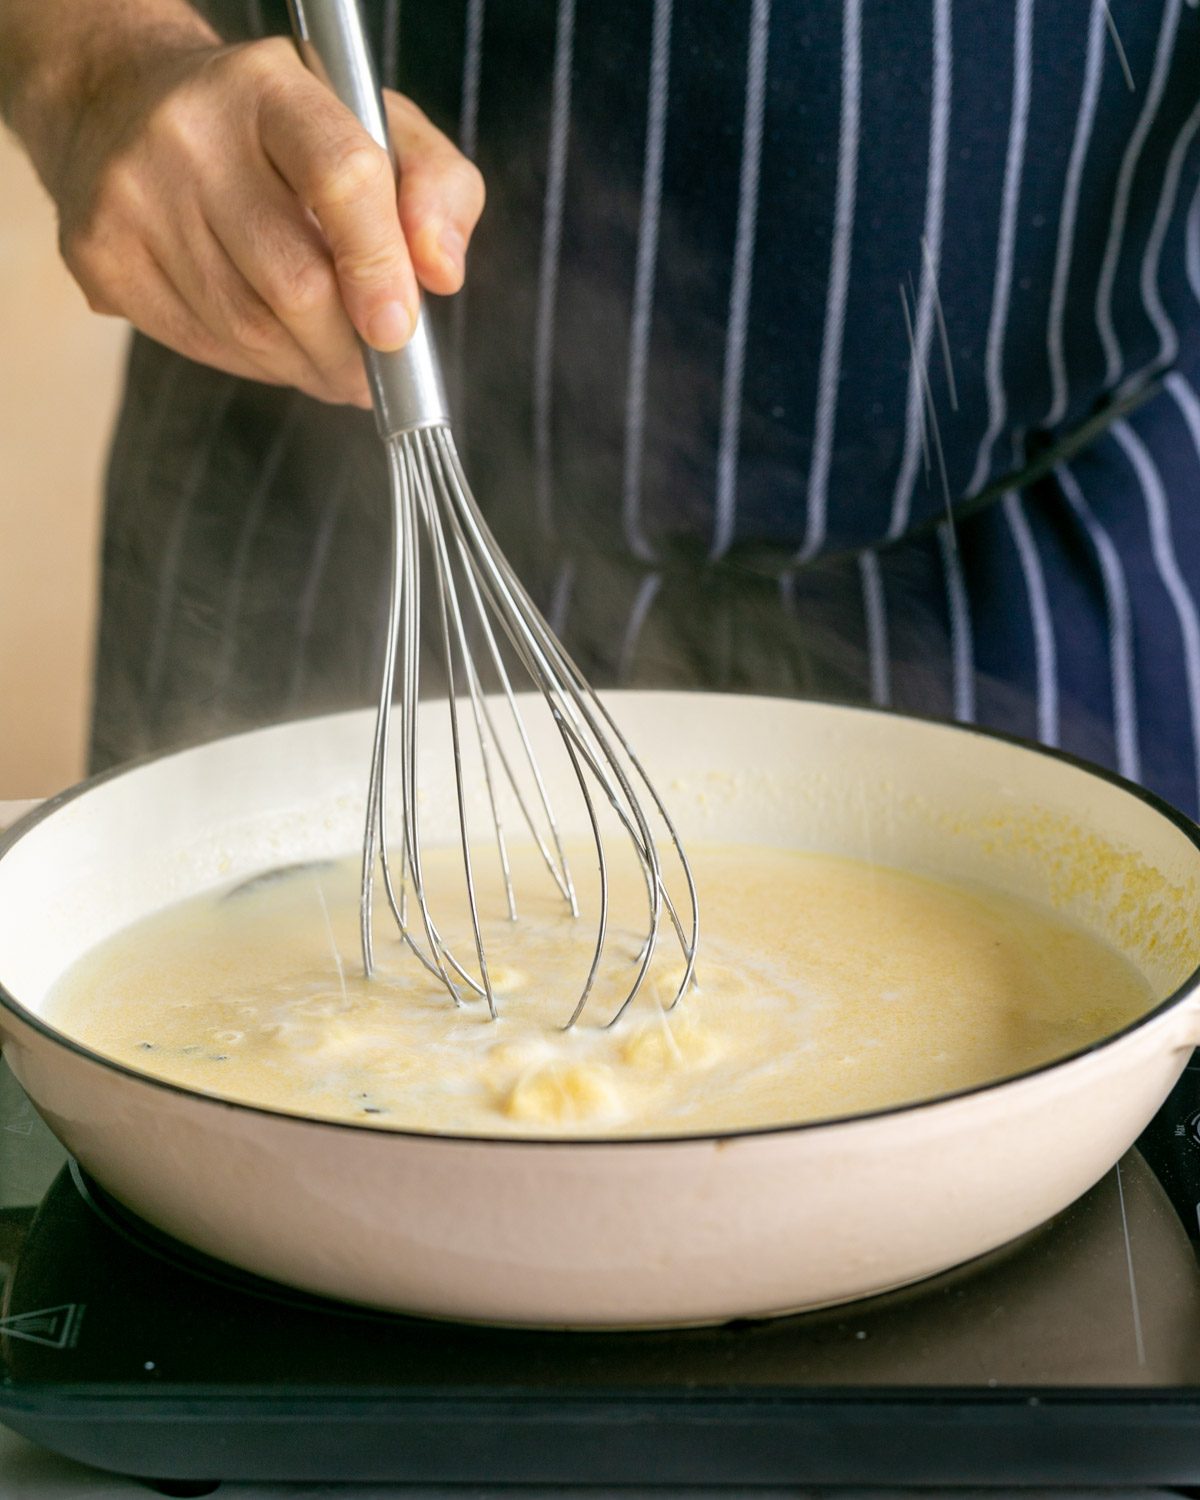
<point>923,797</point>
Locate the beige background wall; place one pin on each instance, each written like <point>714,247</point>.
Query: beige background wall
<point>59,375</point>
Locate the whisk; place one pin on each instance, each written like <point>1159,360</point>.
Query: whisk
<point>479,605</point>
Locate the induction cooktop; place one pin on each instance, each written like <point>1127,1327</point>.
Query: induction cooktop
<point>1069,1357</point>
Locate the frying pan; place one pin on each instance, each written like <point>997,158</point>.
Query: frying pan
<point>602,1233</point>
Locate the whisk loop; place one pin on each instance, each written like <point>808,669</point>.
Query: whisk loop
<point>480,611</point>
<point>479,605</point>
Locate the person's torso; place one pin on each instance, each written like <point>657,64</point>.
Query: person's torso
<point>765,272</point>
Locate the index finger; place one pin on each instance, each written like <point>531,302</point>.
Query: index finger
<point>346,179</point>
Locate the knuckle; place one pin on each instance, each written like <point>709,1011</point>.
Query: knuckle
<point>176,119</point>
<point>263,61</point>
<point>96,297</point>
<point>368,267</point>
<point>275,91</point>
<point>96,289</point>
<point>84,255</point>
<point>117,189</point>
<point>193,340</point>
<point>354,170</point>
<point>255,332</point>
<point>252,325</point>
<point>303,289</point>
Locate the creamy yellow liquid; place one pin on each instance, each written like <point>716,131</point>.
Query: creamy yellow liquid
<point>826,987</point>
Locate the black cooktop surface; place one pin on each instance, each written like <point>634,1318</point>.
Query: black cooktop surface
<point>1070,1357</point>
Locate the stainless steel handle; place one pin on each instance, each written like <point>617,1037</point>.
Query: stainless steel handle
<point>406,387</point>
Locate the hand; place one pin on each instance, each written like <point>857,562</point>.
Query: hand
<point>227,204</point>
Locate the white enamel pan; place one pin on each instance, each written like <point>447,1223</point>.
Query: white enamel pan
<point>634,1232</point>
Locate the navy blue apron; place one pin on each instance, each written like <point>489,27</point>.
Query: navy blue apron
<point>840,349</point>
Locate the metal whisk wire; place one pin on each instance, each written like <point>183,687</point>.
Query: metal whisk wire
<point>474,586</point>
<point>477,598</point>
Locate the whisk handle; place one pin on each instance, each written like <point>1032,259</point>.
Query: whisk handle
<point>406,387</point>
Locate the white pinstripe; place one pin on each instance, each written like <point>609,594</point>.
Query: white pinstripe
<point>1191,246</point>
<point>725,510</point>
<point>1159,516</point>
<point>1014,165</point>
<point>1045,652</point>
<point>935,198</point>
<point>560,598</point>
<point>962,648</point>
<point>552,215</point>
<point>939,319</point>
<point>643,601</point>
<point>829,377</point>
<point>1163,53</point>
<point>875,614</point>
<point>1168,338</point>
<point>468,110</point>
<point>643,283</point>
<point>1120,627</point>
<point>1093,70</point>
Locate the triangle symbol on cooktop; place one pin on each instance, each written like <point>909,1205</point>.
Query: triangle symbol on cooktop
<point>52,1326</point>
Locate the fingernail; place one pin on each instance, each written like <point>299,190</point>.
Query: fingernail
<point>453,246</point>
<point>389,326</point>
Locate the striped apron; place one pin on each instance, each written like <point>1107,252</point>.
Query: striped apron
<point>828,347</point>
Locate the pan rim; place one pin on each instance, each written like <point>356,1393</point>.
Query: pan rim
<point>1191,830</point>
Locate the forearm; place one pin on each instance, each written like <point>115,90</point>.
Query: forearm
<point>57,55</point>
